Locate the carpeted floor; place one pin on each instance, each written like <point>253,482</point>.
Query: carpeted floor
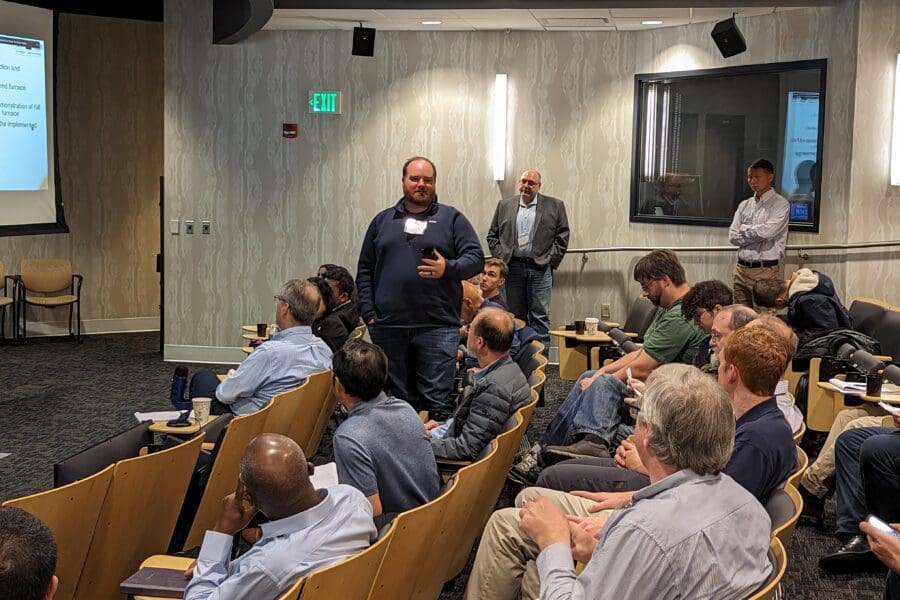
<point>58,397</point>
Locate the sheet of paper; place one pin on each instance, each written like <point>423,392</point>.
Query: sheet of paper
<point>325,476</point>
<point>162,415</point>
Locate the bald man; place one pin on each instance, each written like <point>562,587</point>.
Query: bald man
<point>499,389</point>
<point>308,528</point>
<point>530,232</point>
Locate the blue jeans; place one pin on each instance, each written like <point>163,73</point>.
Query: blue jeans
<point>203,385</point>
<point>868,477</point>
<point>599,410</point>
<point>528,296</point>
<point>421,365</point>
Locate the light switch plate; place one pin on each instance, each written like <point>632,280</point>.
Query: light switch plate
<point>189,227</point>
<point>174,226</point>
<point>204,227</point>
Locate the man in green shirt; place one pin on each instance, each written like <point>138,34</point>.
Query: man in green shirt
<point>594,418</point>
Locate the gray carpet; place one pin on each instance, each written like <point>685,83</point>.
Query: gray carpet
<point>58,397</point>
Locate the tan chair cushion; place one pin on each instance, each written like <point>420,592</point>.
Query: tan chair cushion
<point>46,275</point>
<point>51,300</point>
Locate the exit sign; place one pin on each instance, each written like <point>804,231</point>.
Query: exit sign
<point>326,103</point>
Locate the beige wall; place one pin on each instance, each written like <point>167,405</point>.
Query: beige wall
<point>279,207</point>
<point>109,126</point>
<point>874,203</point>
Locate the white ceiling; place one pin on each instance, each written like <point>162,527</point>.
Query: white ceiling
<point>573,19</point>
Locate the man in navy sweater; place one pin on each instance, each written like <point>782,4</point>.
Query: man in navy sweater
<point>412,260</point>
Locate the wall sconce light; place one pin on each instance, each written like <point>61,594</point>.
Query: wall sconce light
<point>498,126</point>
<point>895,134</point>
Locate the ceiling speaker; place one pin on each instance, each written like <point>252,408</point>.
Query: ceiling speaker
<point>728,38</point>
<point>363,41</point>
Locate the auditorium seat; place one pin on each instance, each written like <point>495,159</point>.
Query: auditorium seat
<point>124,445</point>
<point>48,277</point>
<point>887,333</point>
<point>8,291</point>
<point>866,313</point>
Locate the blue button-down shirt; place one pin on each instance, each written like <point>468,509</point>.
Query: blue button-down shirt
<point>525,226</point>
<point>686,536</point>
<point>336,528</point>
<point>278,365</point>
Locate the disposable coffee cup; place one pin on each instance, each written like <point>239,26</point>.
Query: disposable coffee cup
<point>590,325</point>
<point>261,329</point>
<point>873,384</point>
<point>201,410</point>
<point>579,327</point>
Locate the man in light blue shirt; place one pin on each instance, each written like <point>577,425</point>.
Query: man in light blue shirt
<point>309,528</point>
<point>280,364</point>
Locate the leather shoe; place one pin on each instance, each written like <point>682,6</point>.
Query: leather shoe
<point>854,556</point>
<point>813,507</point>
<point>580,449</point>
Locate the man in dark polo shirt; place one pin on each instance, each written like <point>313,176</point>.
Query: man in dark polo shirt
<point>381,449</point>
<point>751,363</point>
<point>594,416</point>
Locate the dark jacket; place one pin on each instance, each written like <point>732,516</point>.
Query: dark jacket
<point>349,315</point>
<point>497,393</point>
<point>813,304</point>
<point>551,230</point>
<point>330,328</point>
<point>391,291</point>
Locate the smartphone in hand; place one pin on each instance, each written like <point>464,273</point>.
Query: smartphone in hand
<point>429,253</point>
<point>882,526</point>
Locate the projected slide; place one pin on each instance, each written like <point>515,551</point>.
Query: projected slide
<point>23,121</point>
<point>801,138</point>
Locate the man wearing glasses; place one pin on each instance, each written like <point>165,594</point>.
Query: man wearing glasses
<point>280,364</point>
<point>594,418</point>
<point>530,232</point>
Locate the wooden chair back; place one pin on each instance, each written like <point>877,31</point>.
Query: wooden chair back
<point>784,508</point>
<point>410,544</point>
<point>284,408</point>
<point>71,513</point>
<point>799,435</point>
<point>224,472</point>
<point>352,578</point>
<point>46,275</point>
<point>137,517</point>
<point>803,461</point>
<point>469,496</point>
<point>778,557</point>
<point>358,332</point>
<point>492,485</point>
<point>294,592</point>
<point>305,428</point>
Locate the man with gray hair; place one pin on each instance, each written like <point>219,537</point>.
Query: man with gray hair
<point>284,362</point>
<point>308,529</point>
<point>676,538</point>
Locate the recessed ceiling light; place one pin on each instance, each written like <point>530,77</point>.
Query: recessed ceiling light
<point>432,22</point>
<point>651,22</point>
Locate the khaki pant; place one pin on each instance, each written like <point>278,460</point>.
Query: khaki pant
<point>745,277</point>
<point>817,477</point>
<point>505,562</point>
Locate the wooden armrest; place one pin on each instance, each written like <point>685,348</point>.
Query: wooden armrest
<point>208,446</point>
<point>884,358</point>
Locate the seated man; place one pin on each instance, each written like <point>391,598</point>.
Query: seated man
<point>817,483</point>
<point>280,364</point>
<point>813,305</point>
<point>344,290</point>
<point>764,453</point>
<point>381,449</point>
<point>782,396</point>
<point>27,557</point>
<point>499,389</point>
<point>594,417</point>
<point>472,302</point>
<point>308,528</point>
<point>693,532</point>
<point>493,276</point>
<point>328,326</point>
<point>701,304</point>
<point>868,482</point>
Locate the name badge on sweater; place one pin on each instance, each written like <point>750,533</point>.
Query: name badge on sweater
<point>415,226</point>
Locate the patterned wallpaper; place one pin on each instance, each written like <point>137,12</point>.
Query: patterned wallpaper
<point>110,138</point>
<point>281,207</point>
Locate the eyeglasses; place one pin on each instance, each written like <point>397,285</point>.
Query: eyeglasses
<point>279,298</point>
<point>529,182</point>
<point>698,314</point>
<point>645,285</point>
<point>715,335</point>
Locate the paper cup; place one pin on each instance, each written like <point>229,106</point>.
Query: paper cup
<point>590,325</point>
<point>201,410</point>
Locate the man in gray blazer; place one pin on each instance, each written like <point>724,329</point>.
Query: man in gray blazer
<point>530,232</point>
